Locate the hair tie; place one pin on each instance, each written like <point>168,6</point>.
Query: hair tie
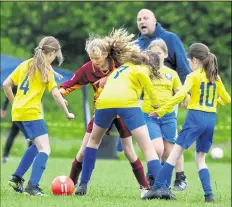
<point>40,48</point>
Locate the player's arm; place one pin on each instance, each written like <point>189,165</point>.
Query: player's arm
<point>177,98</point>
<point>176,87</point>
<point>77,81</point>
<point>52,87</point>
<point>224,97</point>
<point>7,85</point>
<point>61,102</point>
<point>143,77</point>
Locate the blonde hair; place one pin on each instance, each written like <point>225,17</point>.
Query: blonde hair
<point>207,59</point>
<point>96,45</point>
<point>47,44</point>
<point>160,43</point>
<point>122,49</point>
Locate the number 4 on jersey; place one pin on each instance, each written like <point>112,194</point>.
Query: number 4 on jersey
<point>25,85</point>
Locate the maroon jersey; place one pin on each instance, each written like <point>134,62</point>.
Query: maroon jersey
<point>88,73</point>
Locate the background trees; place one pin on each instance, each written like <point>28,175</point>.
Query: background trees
<point>24,23</point>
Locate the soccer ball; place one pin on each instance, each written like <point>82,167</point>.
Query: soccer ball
<point>62,185</point>
<point>217,153</point>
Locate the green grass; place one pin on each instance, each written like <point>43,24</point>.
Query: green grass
<point>113,184</point>
<point>66,136</point>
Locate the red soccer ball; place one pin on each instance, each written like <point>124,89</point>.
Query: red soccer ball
<point>62,185</point>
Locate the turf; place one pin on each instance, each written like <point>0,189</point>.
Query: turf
<point>113,184</point>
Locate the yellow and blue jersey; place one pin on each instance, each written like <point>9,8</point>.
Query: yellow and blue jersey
<point>204,94</point>
<point>124,86</point>
<point>27,101</point>
<point>164,88</point>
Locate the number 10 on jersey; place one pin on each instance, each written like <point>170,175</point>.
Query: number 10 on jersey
<point>209,87</point>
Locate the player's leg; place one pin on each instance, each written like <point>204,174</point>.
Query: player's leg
<point>180,182</point>
<point>169,129</point>
<point>189,133</point>
<point>102,121</point>
<point>14,130</point>
<point>153,125</point>
<point>78,160</point>
<point>203,145</point>
<point>119,145</point>
<point>204,176</point>
<point>16,181</point>
<point>128,148</point>
<point>37,132</point>
<point>134,120</point>
<point>39,165</point>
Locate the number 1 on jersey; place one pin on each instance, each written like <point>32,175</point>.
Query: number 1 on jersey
<point>25,85</point>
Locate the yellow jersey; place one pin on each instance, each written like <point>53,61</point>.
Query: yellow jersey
<point>124,86</point>
<point>204,94</point>
<point>164,88</point>
<point>27,101</point>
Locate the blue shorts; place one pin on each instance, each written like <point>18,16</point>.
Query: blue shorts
<point>199,126</point>
<point>132,117</point>
<point>164,127</point>
<point>32,129</point>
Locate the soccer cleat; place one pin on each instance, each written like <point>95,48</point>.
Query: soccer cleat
<point>81,190</point>
<point>209,198</point>
<point>180,184</point>
<point>33,190</point>
<point>16,183</point>
<point>143,191</point>
<point>150,180</point>
<point>159,193</point>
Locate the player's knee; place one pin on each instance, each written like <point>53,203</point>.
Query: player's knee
<point>165,154</point>
<point>129,153</point>
<point>159,151</point>
<point>80,155</point>
<point>200,160</point>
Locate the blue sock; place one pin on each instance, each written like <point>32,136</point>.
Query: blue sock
<point>164,175</point>
<point>205,180</point>
<point>169,179</point>
<point>90,156</point>
<point>37,168</point>
<point>26,161</point>
<point>119,145</point>
<point>153,167</point>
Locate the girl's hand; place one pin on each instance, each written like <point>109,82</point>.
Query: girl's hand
<point>102,82</point>
<point>153,114</point>
<point>3,113</point>
<point>184,103</point>
<point>70,116</point>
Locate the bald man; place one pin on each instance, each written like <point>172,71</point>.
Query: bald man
<point>150,30</point>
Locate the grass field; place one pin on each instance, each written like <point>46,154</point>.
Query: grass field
<point>113,184</point>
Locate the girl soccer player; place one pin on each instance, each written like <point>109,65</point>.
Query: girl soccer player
<point>206,88</point>
<point>121,97</point>
<point>32,77</point>
<point>162,131</point>
<point>96,72</point>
